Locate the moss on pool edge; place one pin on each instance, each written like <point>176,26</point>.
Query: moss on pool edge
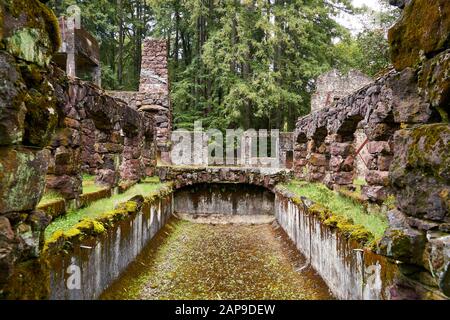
<point>62,241</point>
<point>346,226</point>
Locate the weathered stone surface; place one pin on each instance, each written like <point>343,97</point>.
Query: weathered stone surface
<point>378,178</point>
<point>41,118</point>
<point>332,86</point>
<point>154,92</point>
<point>384,162</point>
<point>411,163</point>
<point>421,224</point>
<point>66,137</point>
<point>380,131</point>
<point>423,27</point>
<point>8,245</point>
<point>107,177</point>
<point>374,193</point>
<point>68,186</point>
<point>30,31</point>
<point>434,82</point>
<point>420,171</point>
<point>318,159</point>
<point>335,163</point>
<point>341,149</point>
<point>408,106</point>
<point>22,178</point>
<point>379,147</point>
<point>400,241</point>
<point>342,178</point>
<point>182,176</point>
<point>12,107</point>
<point>436,259</point>
<point>30,234</point>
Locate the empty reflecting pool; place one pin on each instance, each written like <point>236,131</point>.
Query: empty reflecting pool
<point>189,260</point>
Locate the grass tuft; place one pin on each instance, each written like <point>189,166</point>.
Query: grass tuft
<point>340,205</point>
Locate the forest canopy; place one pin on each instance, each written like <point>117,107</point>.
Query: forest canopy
<point>235,63</point>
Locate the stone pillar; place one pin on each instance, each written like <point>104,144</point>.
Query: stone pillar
<point>69,46</point>
<point>64,173</point>
<point>341,163</point>
<point>377,177</point>
<point>300,155</point>
<point>109,148</point>
<point>154,93</point>
<point>97,76</point>
<point>318,158</point>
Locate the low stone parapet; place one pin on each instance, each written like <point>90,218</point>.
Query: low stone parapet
<point>183,176</point>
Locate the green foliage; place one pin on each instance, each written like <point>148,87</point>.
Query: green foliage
<point>119,26</point>
<point>248,64</point>
<point>368,51</point>
<point>245,63</point>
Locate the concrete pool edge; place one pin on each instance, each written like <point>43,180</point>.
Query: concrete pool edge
<point>351,271</point>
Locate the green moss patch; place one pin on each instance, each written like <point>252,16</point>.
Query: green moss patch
<point>106,211</point>
<point>338,211</point>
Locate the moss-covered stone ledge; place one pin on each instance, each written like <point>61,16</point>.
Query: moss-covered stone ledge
<point>55,208</point>
<point>345,226</point>
<point>31,280</point>
<point>61,242</point>
<point>87,198</point>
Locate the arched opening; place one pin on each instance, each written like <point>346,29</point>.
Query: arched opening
<point>225,202</point>
<point>343,152</point>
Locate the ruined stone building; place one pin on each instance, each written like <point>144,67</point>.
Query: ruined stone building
<point>332,86</point>
<point>79,54</point>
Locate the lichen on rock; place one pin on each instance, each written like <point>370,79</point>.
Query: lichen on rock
<point>423,30</point>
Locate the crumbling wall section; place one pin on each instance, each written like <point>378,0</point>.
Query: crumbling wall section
<point>99,135</point>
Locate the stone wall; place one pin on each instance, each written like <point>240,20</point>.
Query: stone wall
<point>28,118</point>
<point>404,115</point>
<point>53,128</point>
<point>222,199</point>
<point>99,135</point>
<point>103,257</point>
<point>351,271</point>
<point>153,95</point>
<point>129,97</point>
